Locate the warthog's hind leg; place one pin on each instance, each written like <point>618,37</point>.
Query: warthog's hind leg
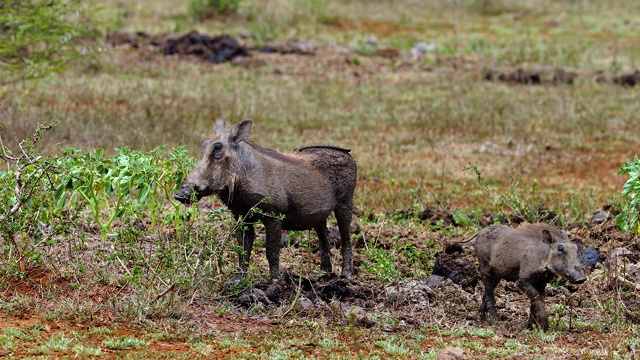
<point>343,216</point>
<point>325,254</point>
<point>488,298</point>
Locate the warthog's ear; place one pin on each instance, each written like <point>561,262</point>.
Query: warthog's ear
<point>240,132</point>
<point>220,125</point>
<point>546,237</point>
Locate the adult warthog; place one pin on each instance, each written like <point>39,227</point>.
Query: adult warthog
<point>290,191</point>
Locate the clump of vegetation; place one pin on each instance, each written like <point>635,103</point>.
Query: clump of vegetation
<point>627,220</point>
<point>207,9</point>
<point>21,194</point>
<point>40,37</point>
<point>531,211</point>
<point>132,179</point>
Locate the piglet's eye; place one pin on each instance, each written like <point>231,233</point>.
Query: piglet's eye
<point>217,146</point>
<point>562,249</point>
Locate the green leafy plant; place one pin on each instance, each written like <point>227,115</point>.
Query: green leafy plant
<point>126,184</point>
<point>380,262</point>
<point>627,220</point>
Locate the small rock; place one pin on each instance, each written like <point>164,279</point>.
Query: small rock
<point>272,292</point>
<point>303,304</point>
<point>360,313</point>
<point>420,49</point>
<point>599,217</point>
<point>244,34</point>
<point>615,256</point>
<point>408,292</point>
<point>590,257</point>
<point>434,281</point>
<point>371,40</point>
<point>450,353</point>
<point>553,291</point>
<point>253,297</point>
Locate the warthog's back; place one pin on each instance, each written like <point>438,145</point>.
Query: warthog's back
<point>334,162</point>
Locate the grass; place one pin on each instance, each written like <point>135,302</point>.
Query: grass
<point>413,129</point>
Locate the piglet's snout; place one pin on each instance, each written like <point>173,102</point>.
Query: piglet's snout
<point>578,275</point>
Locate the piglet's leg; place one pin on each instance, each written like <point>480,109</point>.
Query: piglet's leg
<point>537,313</point>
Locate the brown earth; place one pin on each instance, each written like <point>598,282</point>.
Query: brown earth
<point>451,298</point>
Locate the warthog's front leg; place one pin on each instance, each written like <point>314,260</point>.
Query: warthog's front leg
<point>245,236</point>
<point>273,229</point>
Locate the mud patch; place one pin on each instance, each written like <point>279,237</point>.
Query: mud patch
<point>457,266</point>
<point>556,76</point>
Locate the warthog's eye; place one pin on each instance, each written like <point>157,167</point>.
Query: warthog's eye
<point>217,150</point>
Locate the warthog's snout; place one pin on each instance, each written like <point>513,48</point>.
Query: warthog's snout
<point>188,193</point>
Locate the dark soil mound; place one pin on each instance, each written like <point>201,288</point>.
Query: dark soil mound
<point>217,49</point>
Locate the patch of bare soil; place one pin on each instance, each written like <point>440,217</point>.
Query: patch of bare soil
<point>300,57</point>
<point>452,294</point>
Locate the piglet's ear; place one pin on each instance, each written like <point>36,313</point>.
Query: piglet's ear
<point>240,132</point>
<point>546,237</point>
<point>220,125</point>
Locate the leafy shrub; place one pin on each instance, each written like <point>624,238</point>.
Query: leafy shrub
<point>40,37</point>
<point>206,9</point>
<point>23,197</point>
<point>628,218</point>
<point>125,184</point>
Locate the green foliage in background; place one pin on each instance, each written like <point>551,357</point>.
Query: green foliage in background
<point>40,37</point>
<point>206,9</point>
<point>628,219</point>
<point>24,181</point>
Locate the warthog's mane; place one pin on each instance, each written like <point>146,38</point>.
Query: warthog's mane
<point>276,155</point>
<point>330,147</point>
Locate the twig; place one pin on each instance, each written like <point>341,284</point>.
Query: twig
<point>295,300</point>
<point>8,97</point>
<point>120,261</point>
<point>165,292</point>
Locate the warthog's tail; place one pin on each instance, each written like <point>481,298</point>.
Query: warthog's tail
<point>467,240</point>
<point>303,148</point>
